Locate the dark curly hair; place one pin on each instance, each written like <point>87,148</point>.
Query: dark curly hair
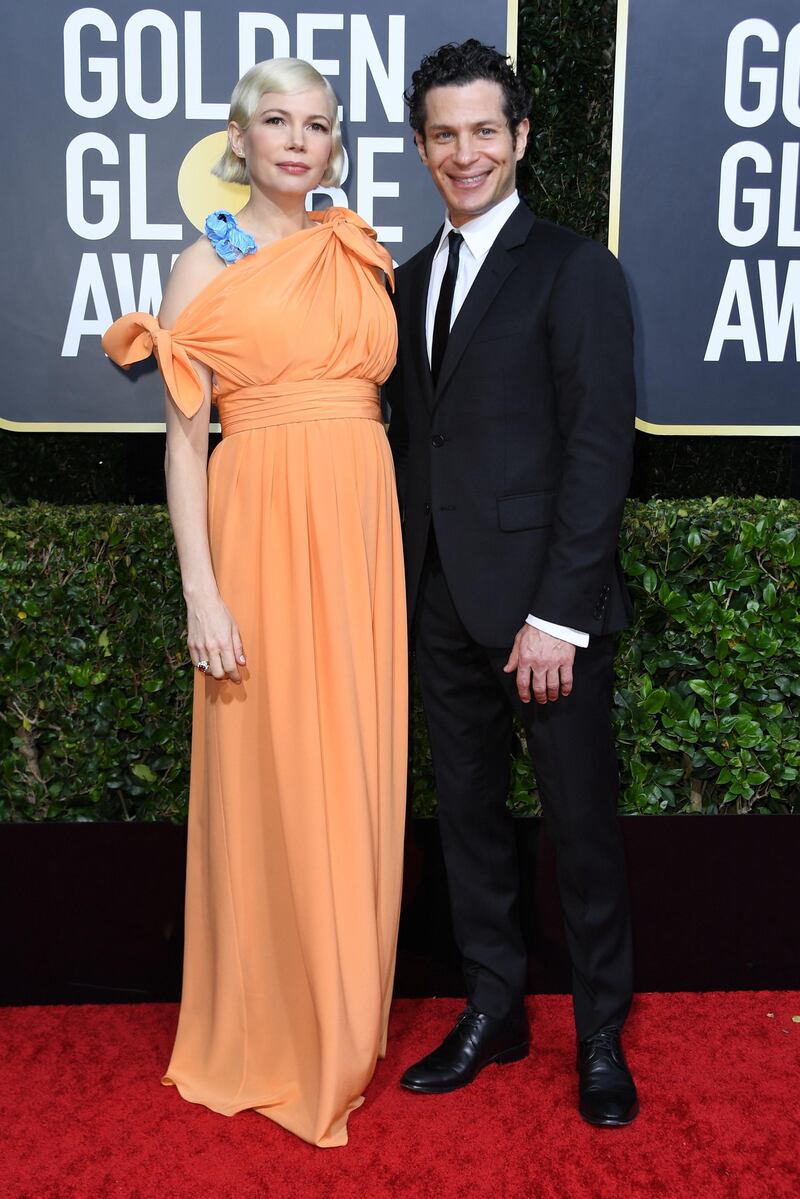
<point>456,65</point>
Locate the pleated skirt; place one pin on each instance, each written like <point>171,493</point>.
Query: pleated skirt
<point>298,782</point>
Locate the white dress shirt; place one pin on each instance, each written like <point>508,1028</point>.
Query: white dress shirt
<point>479,235</point>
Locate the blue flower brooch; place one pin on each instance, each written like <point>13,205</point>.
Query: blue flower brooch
<point>229,241</point>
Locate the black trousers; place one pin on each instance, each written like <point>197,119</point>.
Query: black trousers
<point>469,704</point>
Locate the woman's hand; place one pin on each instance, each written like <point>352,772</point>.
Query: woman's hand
<point>213,637</point>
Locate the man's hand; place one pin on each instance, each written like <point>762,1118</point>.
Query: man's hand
<point>547,659</point>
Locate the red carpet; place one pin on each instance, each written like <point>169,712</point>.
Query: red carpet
<point>84,1116</point>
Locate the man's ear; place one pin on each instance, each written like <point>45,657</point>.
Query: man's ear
<point>419,140</point>
<point>521,140</point>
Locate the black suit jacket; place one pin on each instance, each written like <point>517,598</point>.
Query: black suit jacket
<point>521,456</point>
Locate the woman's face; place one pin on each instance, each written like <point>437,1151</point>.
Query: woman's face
<point>288,143</point>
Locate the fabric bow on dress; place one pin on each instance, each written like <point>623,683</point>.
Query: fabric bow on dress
<point>137,335</point>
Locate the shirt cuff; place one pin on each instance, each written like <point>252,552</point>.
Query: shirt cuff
<point>573,636</point>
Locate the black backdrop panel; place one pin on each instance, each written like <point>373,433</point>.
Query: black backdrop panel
<point>114,117</point>
<point>93,913</point>
<point>708,211</point>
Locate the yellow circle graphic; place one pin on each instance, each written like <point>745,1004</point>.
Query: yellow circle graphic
<point>199,191</point>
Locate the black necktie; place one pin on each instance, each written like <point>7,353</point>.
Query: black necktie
<point>441,324</point>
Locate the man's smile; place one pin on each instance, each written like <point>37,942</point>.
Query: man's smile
<point>467,181</point>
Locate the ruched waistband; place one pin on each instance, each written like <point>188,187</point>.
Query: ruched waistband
<point>289,403</point>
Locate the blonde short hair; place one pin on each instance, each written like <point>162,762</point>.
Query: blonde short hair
<point>283,76</point>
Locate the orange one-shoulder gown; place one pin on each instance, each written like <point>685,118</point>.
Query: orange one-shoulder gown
<point>299,773</point>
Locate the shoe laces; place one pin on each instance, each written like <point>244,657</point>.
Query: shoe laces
<point>469,1015</point>
<point>607,1038</point>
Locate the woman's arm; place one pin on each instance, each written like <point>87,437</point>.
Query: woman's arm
<point>213,635</point>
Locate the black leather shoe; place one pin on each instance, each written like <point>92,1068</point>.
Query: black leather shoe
<point>607,1091</point>
<point>475,1042</point>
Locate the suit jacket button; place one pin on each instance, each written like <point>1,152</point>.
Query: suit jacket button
<point>438,440</point>
<point>427,509</point>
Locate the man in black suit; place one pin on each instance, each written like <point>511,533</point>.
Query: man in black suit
<point>512,430</point>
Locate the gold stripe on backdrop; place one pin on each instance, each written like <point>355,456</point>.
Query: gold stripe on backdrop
<point>512,30</point>
<point>24,426</point>
<point>718,430</point>
<point>81,427</point>
<point>618,121</point>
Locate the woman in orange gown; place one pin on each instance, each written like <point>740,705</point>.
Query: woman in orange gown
<point>291,565</point>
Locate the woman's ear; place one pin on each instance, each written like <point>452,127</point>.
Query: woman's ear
<point>236,139</point>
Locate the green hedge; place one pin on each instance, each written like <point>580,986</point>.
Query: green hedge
<point>95,689</point>
<point>566,56</point>
<point>95,695</point>
<point>707,686</point>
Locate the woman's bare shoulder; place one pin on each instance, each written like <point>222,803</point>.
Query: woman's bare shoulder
<point>194,269</point>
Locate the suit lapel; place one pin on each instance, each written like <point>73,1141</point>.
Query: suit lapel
<point>497,266</point>
<point>419,305</point>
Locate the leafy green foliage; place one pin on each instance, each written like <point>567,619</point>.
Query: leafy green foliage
<point>566,54</point>
<point>95,685</point>
<point>707,687</point>
<point>707,681</point>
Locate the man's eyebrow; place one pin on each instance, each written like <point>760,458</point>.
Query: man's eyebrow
<point>475,124</point>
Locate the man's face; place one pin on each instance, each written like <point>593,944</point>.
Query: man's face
<point>468,147</point>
